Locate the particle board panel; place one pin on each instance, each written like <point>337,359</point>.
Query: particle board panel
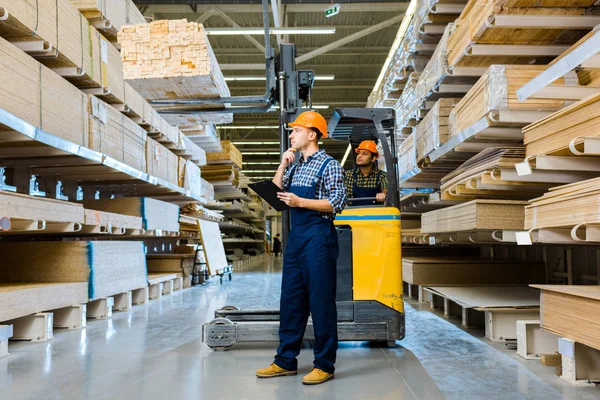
<point>155,279</point>
<point>21,299</point>
<point>95,217</point>
<point>161,162</point>
<point>155,214</point>
<point>21,206</point>
<point>214,251</point>
<point>491,296</point>
<point>454,271</point>
<point>108,267</point>
<point>572,311</point>
<point>476,215</point>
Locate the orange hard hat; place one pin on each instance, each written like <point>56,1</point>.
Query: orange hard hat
<point>311,119</point>
<point>368,145</point>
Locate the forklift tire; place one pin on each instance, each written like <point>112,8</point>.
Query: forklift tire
<point>220,321</point>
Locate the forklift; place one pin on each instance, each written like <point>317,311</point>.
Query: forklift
<point>369,269</point>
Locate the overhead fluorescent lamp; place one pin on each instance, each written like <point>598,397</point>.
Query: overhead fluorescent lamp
<point>273,31</point>
<point>314,107</point>
<point>262,78</point>
<point>248,127</point>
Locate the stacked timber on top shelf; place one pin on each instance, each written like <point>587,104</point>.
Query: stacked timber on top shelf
<point>109,16</point>
<point>223,171</point>
<point>167,60</point>
<point>516,31</point>
<point>434,130</point>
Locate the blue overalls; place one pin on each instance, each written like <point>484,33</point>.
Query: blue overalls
<point>360,192</point>
<point>309,283</point>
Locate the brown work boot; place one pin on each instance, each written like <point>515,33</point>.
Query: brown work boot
<point>273,371</point>
<point>317,376</point>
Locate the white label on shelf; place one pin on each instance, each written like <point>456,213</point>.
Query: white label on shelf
<point>523,238</point>
<point>523,168</point>
<point>104,51</point>
<point>432,240</point>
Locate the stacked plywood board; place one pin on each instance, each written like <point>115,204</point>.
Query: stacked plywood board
<point>205,136</point>
<point>212,244</point>
<point>434,129</point>
<point>565,206</point>
<point>29,91</point>
<point>495,94</point>
<point>229,155</point>
<point>189,177</point>
<point>572,312</point>
<point>221,175</point>
<point>115,135</point>
<point>488,175</point>
<point>109,15</point>
<point>112,220</point>
<point>453,271</point>
<point>167,60</point>
<point>407,156</point>
<point>108,268</point>
<point>156,214</point>
<point>161,162</point>
<point>564,130</point>
<point>406,107</point>
<point>21,299</point>
<point>22,207</point>
<point>479,25</point>
<point>476,215</point>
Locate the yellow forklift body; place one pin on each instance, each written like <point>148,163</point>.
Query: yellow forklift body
<point>376,254</point>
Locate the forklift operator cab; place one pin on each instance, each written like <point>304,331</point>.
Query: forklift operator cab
<point>369,268</point>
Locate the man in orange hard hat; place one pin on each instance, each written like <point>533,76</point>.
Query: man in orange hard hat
<point>315,190</point>
<point>366,180</point>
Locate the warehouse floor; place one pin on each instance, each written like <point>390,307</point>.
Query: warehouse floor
<point>156,352</point>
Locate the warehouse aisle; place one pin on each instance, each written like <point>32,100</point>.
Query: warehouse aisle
<point>155,352</point>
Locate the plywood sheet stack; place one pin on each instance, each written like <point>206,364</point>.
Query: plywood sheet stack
<point>476,26</point>
<point>483,176</point>
<point>222,175</point>
<point>29,91</point>
<point>572,311</point>
<point>228,155</point>
<point>406,108</point>
<point>565,206</point>
<point>475,215</point>
<point>167,60</point>
<point>495,92</point>
<point>434,129</point>
<point>470,271</point>
<point>189,177</point>
<point>205,136</point>
<point>407,156</point>
<point>22,207</point>
<point>161,162</point>
<point>567,127</point>
<point>112,220</point>
<point>115,135</point>
<point>155,214</point>
<point>110,15</point>
<point>108,267</point>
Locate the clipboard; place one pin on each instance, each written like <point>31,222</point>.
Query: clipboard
<point>268,191</point>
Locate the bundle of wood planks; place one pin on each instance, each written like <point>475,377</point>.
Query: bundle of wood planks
<point>572,311</point>
<point>494,94</point>
<point>108,267</point>
<point>434,129</point>
<point>155,214</point>
<point>488,175</point>
<point>161,162</point>
<point>407,156</point>
<point>109,15</point>
<point>563,132</point>
<point>407,106</point>
<point>470,271</point>
<point>205,136</point>
<point>488,23</point>
<point>475,215</point>
<point>222,175</point>
<point>228,155</point>
<point>23,207</point>
<point>189,177</point>
<point>565,206</point>
<point>172,60</point>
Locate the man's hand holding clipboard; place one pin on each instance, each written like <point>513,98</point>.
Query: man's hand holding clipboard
<point>272,192</point>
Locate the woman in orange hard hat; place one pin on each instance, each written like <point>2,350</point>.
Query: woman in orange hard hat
<point>366,180</point>
<point>315,190</point>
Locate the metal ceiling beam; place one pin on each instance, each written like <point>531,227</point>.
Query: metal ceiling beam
<point>277,17</point>
<point>172,7</point>
<point>227,18</point>
<point>349,39</point>
<point>258,67</point>
<point>379,50</point>
<point>206,15</point>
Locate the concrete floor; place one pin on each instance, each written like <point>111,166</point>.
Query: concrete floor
<point>156,352</point>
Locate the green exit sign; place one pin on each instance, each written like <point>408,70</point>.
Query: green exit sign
<point>334,9</point>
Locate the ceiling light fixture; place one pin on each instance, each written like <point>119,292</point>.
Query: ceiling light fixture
<point>273,31</point>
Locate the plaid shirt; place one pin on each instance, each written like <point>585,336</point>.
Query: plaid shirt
<point>330,186</point>
<point>369,181</point>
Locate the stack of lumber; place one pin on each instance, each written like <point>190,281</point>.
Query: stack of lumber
<point>407,156</point>
<point>228,155</point>
<point>22,299</point>
<point>155,214</point>
<point>567,127</point>
<point>434,129</point>
<point>115,135</point>
<point>171,263</point>
<point>222,175</point>
<point>167,60</point>
<point>205,136</point>
<point>207,189</point>
<point>407,106</point>
<point>108,267</point>
<point>565,206</point>
<point>189,177</point>
<point>476,26</point>
<point>112,220</point>
<point>470,271</point>
<point>475,215</point>
<point>109,15</point>
<point>487,175</point>
<point>572,312</point>
<point>29,91</point>
<point>161,162</point>
<point>23,207</point>
<point>495,92</point>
